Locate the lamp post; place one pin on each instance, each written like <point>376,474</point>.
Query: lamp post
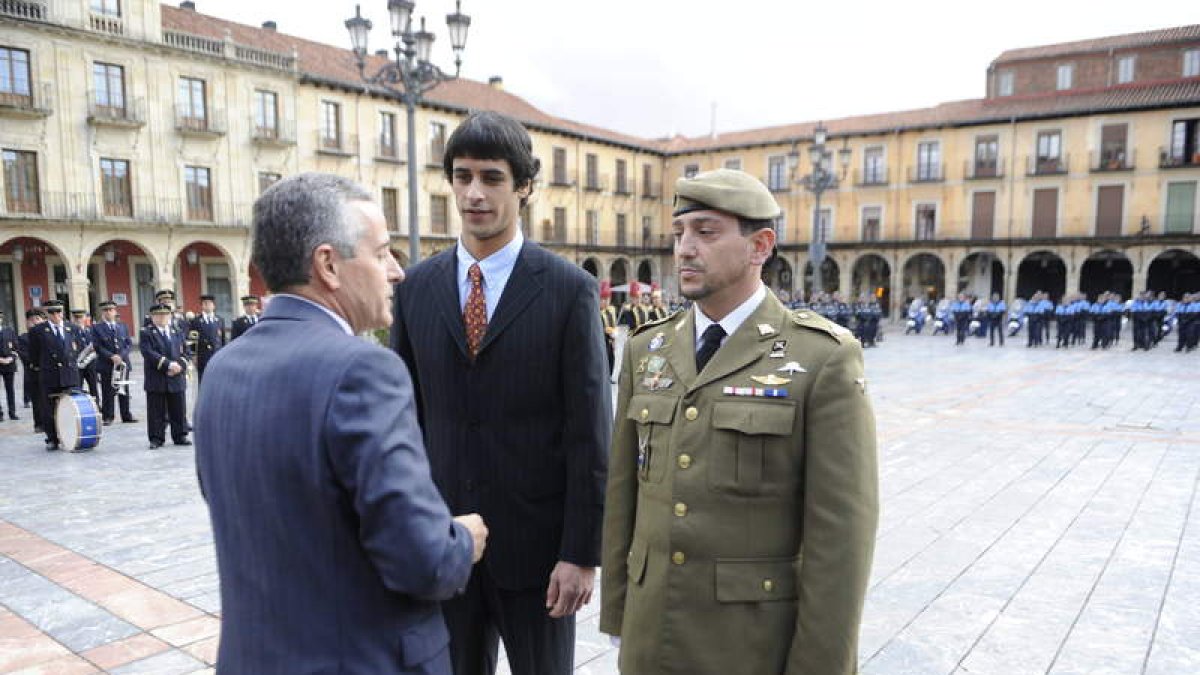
<point>408,77</point>
<point>821,179</point>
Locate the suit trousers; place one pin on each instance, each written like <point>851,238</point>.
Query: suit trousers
<point>107,394</point>
<point>10,392</point>
<point>534,643</point>
<point>161,406</point>
<point>33,391</point>
<point>49,405</point>
<point>87,377</point>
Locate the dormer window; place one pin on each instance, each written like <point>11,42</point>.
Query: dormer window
<point>1125,66</point>
<point>1066,74</point>
<point>1191,63</point>
<point>1004,83</point>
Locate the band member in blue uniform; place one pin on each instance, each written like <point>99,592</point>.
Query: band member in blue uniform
<point>31,382</point>
<point>210,334</point>
<point>165,365</point>
<point>87,374</point>
<point>8,366</point>
<point>53,348</point>
<point>112,342</point>
<point>244,322</point>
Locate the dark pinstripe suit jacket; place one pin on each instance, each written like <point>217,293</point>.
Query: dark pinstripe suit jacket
<point>521,435</point>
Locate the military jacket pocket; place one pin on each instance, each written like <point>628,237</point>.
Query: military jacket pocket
<point>652,415</point>
<point>636,563</point>
<point>755,579</point>
<point>752,451</point>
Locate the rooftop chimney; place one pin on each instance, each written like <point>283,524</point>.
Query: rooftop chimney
<point>496,82</point>
<point>269,25</point>
<point>188,5</point>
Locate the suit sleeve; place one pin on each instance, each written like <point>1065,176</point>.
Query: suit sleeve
<point>587,405</point>
<point>841,512</point>
<point>399,342</point>
<point>102,350</point>
<point>152,356</point>
<point>620,507</point>
<point>375,448</point>
<point>35,347</point>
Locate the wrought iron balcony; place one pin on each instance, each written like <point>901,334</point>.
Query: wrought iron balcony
<point>125,112</point>
<point>211,122</point>
<point>1112,160</point>
<point>1047,166</point>
<point>876,176</point>
<point>341,145</point>
<point>983,170</point>
<point>35,104</point>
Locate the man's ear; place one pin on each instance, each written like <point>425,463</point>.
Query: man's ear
<point>325,267</point>
<point>762,245</point>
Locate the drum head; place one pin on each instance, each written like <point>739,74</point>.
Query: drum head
<point>66,420</point>
<point>77,422</point>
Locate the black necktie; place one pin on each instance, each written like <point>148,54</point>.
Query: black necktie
<point>710,341</point>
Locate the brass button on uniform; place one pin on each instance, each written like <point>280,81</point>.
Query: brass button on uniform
<point>685,460</point>
<point>680,509</point>
<point>691,413</point>
<point>645,414</point>
<point>768,585</point>
<point>678,558</point>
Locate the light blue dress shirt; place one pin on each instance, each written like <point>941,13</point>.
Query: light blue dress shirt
<point>496,269</point>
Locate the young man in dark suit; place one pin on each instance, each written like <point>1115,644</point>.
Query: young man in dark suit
<point>333,545</point>
<point>210,334</point>
<point>87,374</point>
<point>113,345</point>
<point>504,341</point>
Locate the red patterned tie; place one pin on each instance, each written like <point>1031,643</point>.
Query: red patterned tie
<point>475,314</point>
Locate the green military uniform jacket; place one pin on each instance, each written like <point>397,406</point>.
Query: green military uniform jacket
<point>739,529</point>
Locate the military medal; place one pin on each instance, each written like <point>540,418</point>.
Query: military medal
<point>770,379</point>
<point>759,392</point>
<point>656,369</point>
<point>791,368</point>
<point>656,342</point>
<point>642,364</point>
<point>777,348</point>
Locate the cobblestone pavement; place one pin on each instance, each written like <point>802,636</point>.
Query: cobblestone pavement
<point>1039,515</point>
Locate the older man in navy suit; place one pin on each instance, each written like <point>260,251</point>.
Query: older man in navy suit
<point>333,545</point>
<point>506,346</point>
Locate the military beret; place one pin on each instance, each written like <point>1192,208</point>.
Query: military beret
<point>107,304</point>
<point>210,298</point>
<point>161,309</point>
<point>734,192</point>
<point>165,293</point>
<point>247,299</point>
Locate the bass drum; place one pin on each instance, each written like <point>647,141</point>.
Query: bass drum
<point>78,422</point>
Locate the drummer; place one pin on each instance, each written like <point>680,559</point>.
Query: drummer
<point>53,348</point>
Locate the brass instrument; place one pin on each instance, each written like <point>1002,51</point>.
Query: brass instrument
<point>86,356</point>
<point>120,381</point>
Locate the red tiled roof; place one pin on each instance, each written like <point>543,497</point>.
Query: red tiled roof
<point>1131,40</point>
<point>336,65</point>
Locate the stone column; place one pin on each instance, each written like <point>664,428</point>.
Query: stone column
<point>77,291</point>
<point>844,278</point>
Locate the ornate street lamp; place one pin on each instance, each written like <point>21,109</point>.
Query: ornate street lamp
<point>821,179</point>
<point>408,77</point>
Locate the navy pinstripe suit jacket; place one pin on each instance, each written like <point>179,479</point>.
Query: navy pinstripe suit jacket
<point>521,434</point>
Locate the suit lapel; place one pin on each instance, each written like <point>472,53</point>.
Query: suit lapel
<point>680,346</point>
<point>445,295</point>
<point>747,344</point>
<point>522,287</point>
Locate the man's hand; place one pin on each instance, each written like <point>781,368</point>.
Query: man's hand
<point>479,532</point>
<point>116,359</point>
<point>173,369</point>
<point>570,589</point>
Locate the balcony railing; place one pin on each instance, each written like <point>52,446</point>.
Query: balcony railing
<point>871,177</point>
<point>130,113</point>
<point>623,187</point>
<point>227,49</point>
<point>981,170</point>
<point>1047,166</point>
<point>926,173</point>
<point>38,103</point>
<point>562,178</point>
<point>1112,160</point>
<point>211,123</point>
<point>282,133</point>
<point>344,145</point>
<point>595,183</point>
<point>390,152</point>
<point>1174,160</point>
<point>106,23</point>
<point>777,183</point>
<point>651,190</point>
<point>89,207</point>
<point>34,10</point>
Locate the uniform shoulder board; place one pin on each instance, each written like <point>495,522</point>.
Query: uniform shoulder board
<point>814,321</point>
<point>650,324</point>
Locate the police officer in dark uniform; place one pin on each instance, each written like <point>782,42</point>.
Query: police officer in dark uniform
<point>1140,316</point>
<point>31,380</point>
<point>165,365</point>
<point>244,322</point>
<point>8,366</point>
<point>961,310</point>
<point>53,348</point>
<point>210,334</point>
<point>79,317</point>
<point>112,342</point>
<point>994,313</point>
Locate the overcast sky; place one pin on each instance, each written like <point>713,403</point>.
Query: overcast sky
<point>657,67</point>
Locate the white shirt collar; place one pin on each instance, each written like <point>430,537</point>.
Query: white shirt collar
<point>732,320</point>
<point>336,317</point>
<point>504,259</point>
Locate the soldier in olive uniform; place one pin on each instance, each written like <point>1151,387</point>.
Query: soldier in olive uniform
<point>742,497</point>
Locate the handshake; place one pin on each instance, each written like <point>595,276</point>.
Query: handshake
<point>479,532</point>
